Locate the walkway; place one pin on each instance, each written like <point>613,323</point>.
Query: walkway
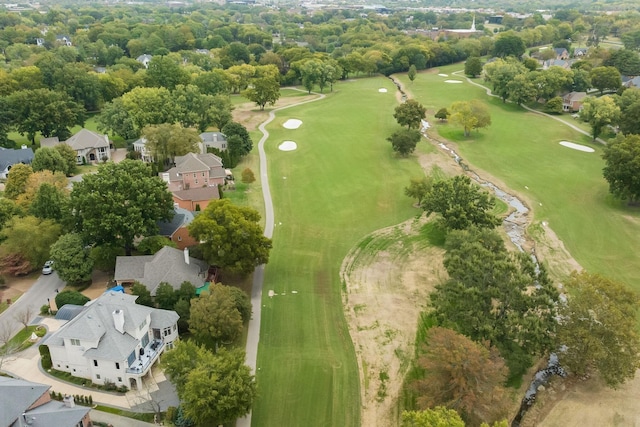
<point>253,335</point>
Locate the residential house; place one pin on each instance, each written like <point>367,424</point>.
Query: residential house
<point>213,140</point>
<point>194,180</point>
<point>144,60</point>
<point>23,403</point>
<point>39,41</point>
<point>580,52</point>
<point>176,229</point>
<point>630,82</point>
<point>573,101</point>
<point>64,40</point>
<point>140,146</point>
<point>90,147</point>
<point>561,53</point>
<point>10,157</point>
<point>168,265</point>
<point>556,63</point>
<point>113,340</point>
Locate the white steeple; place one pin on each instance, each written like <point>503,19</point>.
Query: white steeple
<point>473,25</point>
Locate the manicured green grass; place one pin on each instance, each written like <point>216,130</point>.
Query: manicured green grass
<point>342,183</point>
<point>147,417</point>
<point>564,187</point>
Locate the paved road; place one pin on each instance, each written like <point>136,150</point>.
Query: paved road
<point>253,335</point>
<point>30,302</point>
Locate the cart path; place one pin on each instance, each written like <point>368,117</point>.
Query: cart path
<point>253,335</point>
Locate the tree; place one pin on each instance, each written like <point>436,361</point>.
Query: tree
<point>70,297</point>
<point>119,203</point>
<point>242,302</point>
<point>46,158</point>
<point>263,91</point>
<point>220,111</point>
<point>231,236</point>
<point>236,129</point>
<point>442,114</point>
<point>554,106</point>
<point>69,156</point>
<point>508,44</point>
<point>214,389</point>
<point>144,295</point>
<point>404,141</point>
<point>166,141</point>
<point>72,260</point>
<point>622,158</point>
<point>42,110</point>
<point>603,78</point>
<point>50,202</point>
<point>410,114</point>
<point>599,112</point>
<point>462,375</point>
<point>460,204</point>
<point>598,327</point>
<point>629,103</point>
<point>165,72</point>
<point>195,109</point>
<point>166,297</point>
<point>439,416</point>
<point>215,318</point>
<point>116,118</point>
<point>152,244</point>
<point>497,296</point>
<point>35,181</point>
<point>500,73</point>
<point>148,106</point>
<point>412,73</point>
<point>470,115</point>
<point>29,237</point>
<point>419,188</point>
<point>310,73</point>
<point>17,180</point>
<point>522,89</point>
<point>247,176</point>
<point>473,66</point>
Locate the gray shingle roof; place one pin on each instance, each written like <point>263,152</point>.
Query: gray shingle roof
<point>87,139</point>
<point>55,413</point>
<point>10,157</point>
<point>96,323</point>
<point>16,396</point>
<point>167,265</point>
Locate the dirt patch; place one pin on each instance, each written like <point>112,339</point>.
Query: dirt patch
<point>250,116</point>
<point>586,403</point>
<point>99,281</point>
<point>385,292</point>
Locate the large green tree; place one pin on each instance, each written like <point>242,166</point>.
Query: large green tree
<point>215,318</point>
<point>605,78</point>
<point>17,180</point>
<point>231,236</point>
<point>30,238</point>
<point>42,110</point>
<point>599,329</point>
<point>599,112</point>
<point>439,416</point>
<point>71,297</point>
<point>410,114</point>
<point>473,66</point>
<point>404,141</point>
<point>622,170</point>
<point>119,203</point>
<point>72,260</point>
<point>462,375</point>
<point>46,158</point>
<point>166,72</point>
<point>508,44</point>
<point>470,115</point>
<point>460,203</point>
<point>264,90</point>
<point>214,389</point>
<point>497,296</point>
<point>166,141</point>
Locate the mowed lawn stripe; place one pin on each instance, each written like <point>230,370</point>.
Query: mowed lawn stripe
<point>565,186</point>
<point>342,183</point>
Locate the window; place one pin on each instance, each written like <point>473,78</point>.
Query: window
<point>95,362</point>
<point>179,238</point>
<point>75,342</point>
<point>119,379</point>
<point>97,376</point>
<point>117,365</point>
<point>194,175</point>
<point>202,173</point>
<point>58,365</point>
<point>196,181</point>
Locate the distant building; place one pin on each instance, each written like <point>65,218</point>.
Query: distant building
<point>10,157</point>
<point>144,60</point>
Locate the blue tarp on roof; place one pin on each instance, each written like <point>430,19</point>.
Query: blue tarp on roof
<point>115,289</point>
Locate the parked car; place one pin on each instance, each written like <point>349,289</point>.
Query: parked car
<point>48,267</point>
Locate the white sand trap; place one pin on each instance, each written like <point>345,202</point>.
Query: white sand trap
<point>453,81</point>
<point>287,146</point>
<point>443,75</point>
<point>271,293</point>
<point>292,124</point>
<point>382,90</point>
<point>577,146</point>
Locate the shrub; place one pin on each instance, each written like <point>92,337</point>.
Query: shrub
<point>44,310</point>
<point>45,356</point>
<point>247,176</point>
<point>172,412</point>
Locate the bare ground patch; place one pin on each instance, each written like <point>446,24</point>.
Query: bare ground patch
<point>250,116</point>
<point>387,282</point>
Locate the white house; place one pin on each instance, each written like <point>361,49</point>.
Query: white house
<point>140,146</point>
<point>113,340</point>
<point>90,147</point>
<point>144,59</point>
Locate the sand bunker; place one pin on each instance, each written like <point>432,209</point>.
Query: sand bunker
<point>382,90</point>
<point>292,124</point>
<point>443,75</point>
<point>453,81</point>
<point>287,146</point>
<point>578,147</point>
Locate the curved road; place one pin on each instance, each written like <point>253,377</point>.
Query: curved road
<point>253,336</point>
